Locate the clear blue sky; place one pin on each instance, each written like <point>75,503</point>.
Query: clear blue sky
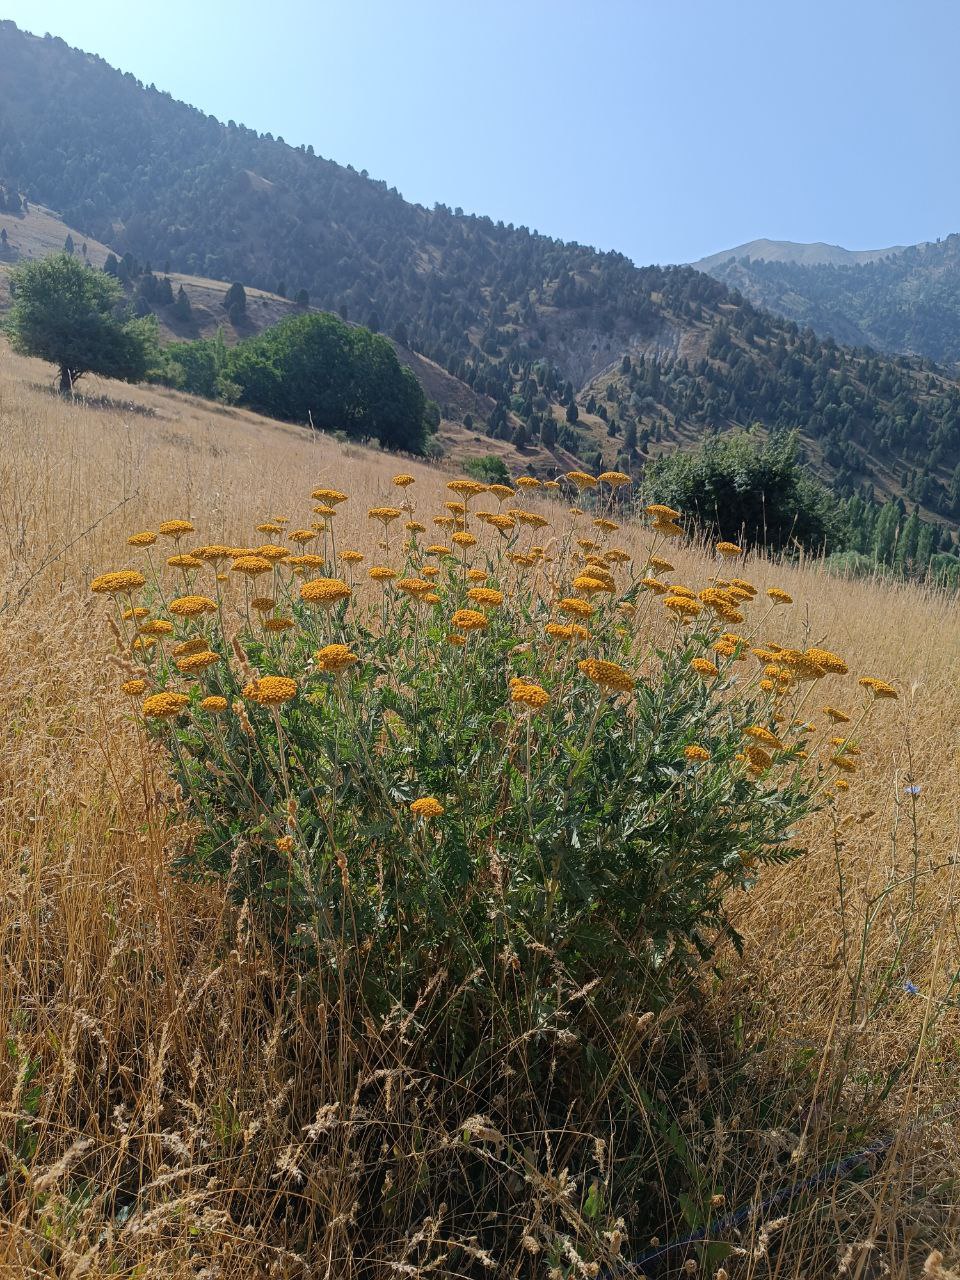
<point>667,129</point>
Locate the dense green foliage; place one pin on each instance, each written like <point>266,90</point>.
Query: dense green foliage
<point>309,368</point>
<point>907,302</point>
<point>753,492</point>
<point>532,322</point>
<point>74,317</point>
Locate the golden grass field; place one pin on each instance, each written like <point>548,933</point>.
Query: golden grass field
<point>122,982</point>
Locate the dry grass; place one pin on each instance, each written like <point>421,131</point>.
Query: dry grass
<point>155,1065</point>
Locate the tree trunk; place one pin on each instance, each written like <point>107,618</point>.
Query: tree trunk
<point>67,380</point>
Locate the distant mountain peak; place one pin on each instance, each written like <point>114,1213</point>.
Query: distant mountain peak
<point>816,254</point>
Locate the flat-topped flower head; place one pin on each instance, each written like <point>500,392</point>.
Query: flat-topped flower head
<point>175,528</point>
<point>661,512</point>
<point>576,608</point>
<point>488,597</point>
<point>437,549</point>
<point>270,551</point>
<point>696,754</point>
<point>184,562</point>
<point>381,573</point>
<point>196,645</point>
<point>384,514</point>
<point>194,662</point>
<point>307,561</point>
<point>682,606</point>
<point>427,807</point>
<point>528,482</point>
<point>352,557</point>
<point>414,526</point>
<point>469,620</point>
<point>530,518</point>
<point>476,575</point>
<point>764,736</point>
<point>704,667</point>
<point>879,688</point>
<point>413,586</point>
<point>119,583</point>
<point>615,479</point>
<point>301,536</point>
<point>271,691</point>
<point>135,614</point>
<point>145,539</point>
<point>156,627</point>
<point>605,526</point>
<point>778,596</point>
<point>654,584</point>
<point>252,565</point>
<point>263,604</point>
<point>502,523</point>
<point>835,714</point>
<point>462,539</point>
<point>214,705</point>
<point>466,488</point>
<point>829,661</point>
<point>325,592</point>
<point>330,496</point>
<point>269,527</point>
<point>588,584</point>
<point>335,658</point>
<point>213,552</point>
<point>403,480</point>
<point>133,688</point>
<point>277,624</point>
<point>607,675</point>
<point>192,606</point>
<point>729,549</point>
<point>165,705</point>
<point>668,528</point>
<point>582,479</point>
<point>501,491</point>
<point>528,694</point>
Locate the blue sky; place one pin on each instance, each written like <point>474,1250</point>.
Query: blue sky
<point>667,130</point>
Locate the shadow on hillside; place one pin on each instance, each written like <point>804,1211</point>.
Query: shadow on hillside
<point>106,403</point>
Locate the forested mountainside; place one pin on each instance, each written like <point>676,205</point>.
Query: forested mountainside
<point>816,254</point>
<point>907,300</point>
<point>574,349</point>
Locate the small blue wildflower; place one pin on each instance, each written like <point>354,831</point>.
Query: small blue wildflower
<point>911,988</point>
<point>913,790</point>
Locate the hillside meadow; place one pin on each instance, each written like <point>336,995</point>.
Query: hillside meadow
<point>160,1066</point>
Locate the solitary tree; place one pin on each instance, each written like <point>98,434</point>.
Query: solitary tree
<point>72,316</point>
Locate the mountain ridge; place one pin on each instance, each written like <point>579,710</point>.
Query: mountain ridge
<point>814,253</point>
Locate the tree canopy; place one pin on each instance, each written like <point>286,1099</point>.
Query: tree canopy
<point>74,317</point>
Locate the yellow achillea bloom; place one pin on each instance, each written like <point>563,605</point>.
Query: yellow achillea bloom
<point>742,585</point>
<point>704,667</point>
<point>842,762</point>
<point>729,549</point>
<point>133,687</point>
<point>413,586</point>
<point>529,518</point>
<point>197,661</point>
<point>192,606</point>
<point>429,571</point>
<point>456,508</point>
<point>284,844</point>
<point>768,739</point>
<point>758,758</point>
<point>271,691</point>
<point>252,565</point>
<point>486,596</point>
<point>464,539</point>
<point>476,575</point>
<point>615,479</point>
<point>156,627</point>
<point>307,561</point>
<point>117,583</point>
<point>469,620</point>
<point>457,641</point>
<point>325,592</point>
<point>696,753</point>
<point>607,526</point>
<point>325,512</point>
<point>617,556</point>
<point>380,573</point>
<point>197,645</point>
<point>184,562</point>
<point>529,482</point>
<point>351,557</point>
<point>778,596</point>
<point>384,514</point>
<point>277,624</point>
<point>175,528</point>
<point>263,604</point>
<point>213,552</point>
<point>682,606</point>
<point>767,685</point>
<point>269,527</point>
<point>501,491</point>
<point>654,584</point>
<point>335,658</point>
<point>438,549</point>
<point>162,706</point>
<point>134,614</point>
<point>445,522</point>
<point>668,528</point>
<point>403,480</point>
<point>271,552</point>
<point>829,661</point>
<point>879,688</point>
<point>467,488</point>
<point>414,526</point>
<point>502,524</point>
<point>842,784</point>
<point>427,807</point>
<point>333,496</point>
<point>608,675</point>
<point>834,713</point>
<point>551,484</point>
<point>528,694</point>
<point>301,535</point>
<point>576,608</point>
<point>582,480</point>
<point>145,539</point>
<point>659,565</point>
<point>724,648</point>
<point>660,512</point>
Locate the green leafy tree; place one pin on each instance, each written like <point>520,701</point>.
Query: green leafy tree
<point>65,313</point>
